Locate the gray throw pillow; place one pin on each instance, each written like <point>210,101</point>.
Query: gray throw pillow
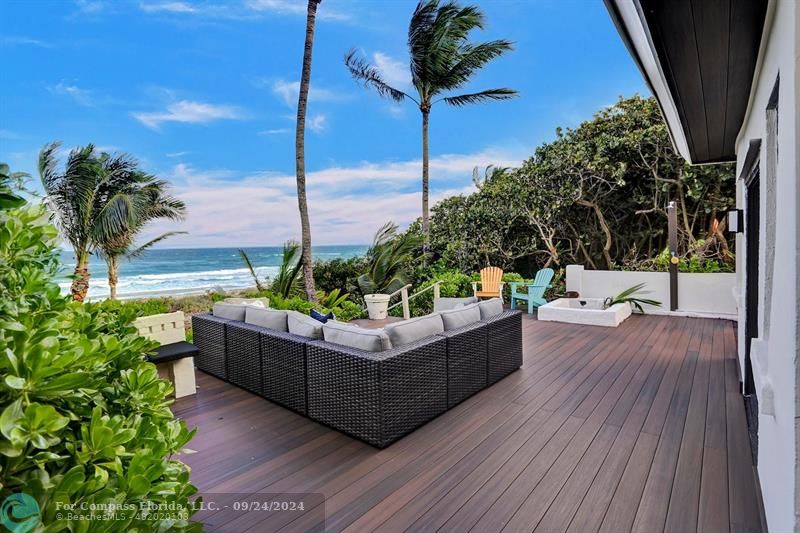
<point>305,326</point>
<point>490,308</point>
<point>443,304</point>
<point>230,311</point>
<point>266,318</point>
<point>407,331</point>
<point>370,340</point>
<point>460,316</point>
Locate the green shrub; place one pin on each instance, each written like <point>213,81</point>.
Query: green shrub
<point>85,418</point>
<point>340,274</point>
<point>693,263</point>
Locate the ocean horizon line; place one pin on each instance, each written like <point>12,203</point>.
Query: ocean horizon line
<point>235,247</point>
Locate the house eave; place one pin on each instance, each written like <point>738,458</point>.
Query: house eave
<point>699,61</point>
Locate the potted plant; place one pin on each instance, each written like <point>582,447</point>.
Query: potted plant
<point>386,268</point>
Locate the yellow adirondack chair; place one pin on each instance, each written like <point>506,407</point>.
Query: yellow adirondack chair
<point>491,283</point>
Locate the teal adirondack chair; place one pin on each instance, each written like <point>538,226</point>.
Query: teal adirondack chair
<point>535,293</point>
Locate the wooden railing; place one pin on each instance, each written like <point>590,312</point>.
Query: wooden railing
<point>405,298</point>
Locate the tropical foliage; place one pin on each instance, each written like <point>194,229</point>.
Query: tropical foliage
<point>631,296</point>
<point>99,203</point>
<point>84,417</point>
<point>387,261</point>
<point>260,285</point>
<point>441,59</point>
<point>596,195</point>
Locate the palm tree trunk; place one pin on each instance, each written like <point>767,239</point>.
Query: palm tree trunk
<point>300,155</point>
<point>80,285</point>
<point>113,276</point>
<point>425,180</point>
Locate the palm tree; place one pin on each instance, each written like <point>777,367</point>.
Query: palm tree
<point>148,200</point>
<point>300,154</point>
<point>387,260</point>
<point>442,59</point>
<point>99,203</point>
<point>73,197</point>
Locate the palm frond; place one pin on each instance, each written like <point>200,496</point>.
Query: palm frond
<point>139,250</point>
<point>370,76</point>
<point>627,296</point>
<point>252,270</point>
<point>287,281</point>
<point>471,59</point>
<point>387,260</point>
<point>482,96</point>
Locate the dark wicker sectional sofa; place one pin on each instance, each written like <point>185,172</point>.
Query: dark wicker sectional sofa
<point>377,397</point>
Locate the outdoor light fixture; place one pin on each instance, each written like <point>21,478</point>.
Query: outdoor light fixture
<point>735,221</point>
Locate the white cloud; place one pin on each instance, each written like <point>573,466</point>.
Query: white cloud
<point>247,9</point>
<point>11,40</point>
<point>395,72</point>
<point>90,6</point>
<point>289,92</point>
<point>169,7</point>
<point>177,154</point>
<point>275,131</point>
<point>8,135</point>
<point>260,208</point>
<point>317,123</point>
<point>189,112</point>
<point>81,96</point>
<point>294,7</point>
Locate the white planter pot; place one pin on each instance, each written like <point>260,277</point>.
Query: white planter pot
<point>377,306</point>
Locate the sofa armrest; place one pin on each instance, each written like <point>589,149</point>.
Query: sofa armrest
<point>504,344</point>
<point>467,361</point>
<point>209,337</point>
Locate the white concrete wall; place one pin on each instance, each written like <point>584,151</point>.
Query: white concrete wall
<point>703,294</point>
<point>774,353</point>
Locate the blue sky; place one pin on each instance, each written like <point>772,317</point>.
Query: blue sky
<point>204,95</point>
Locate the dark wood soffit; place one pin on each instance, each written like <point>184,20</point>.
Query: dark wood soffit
<point>708,51</point>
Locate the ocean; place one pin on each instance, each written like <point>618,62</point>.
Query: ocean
<point>173,271</point>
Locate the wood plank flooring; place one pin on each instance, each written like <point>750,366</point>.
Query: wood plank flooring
<point>636,428</point>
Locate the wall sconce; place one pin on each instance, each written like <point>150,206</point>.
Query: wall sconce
<point>736,221</point>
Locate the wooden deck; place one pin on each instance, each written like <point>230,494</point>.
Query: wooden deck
<point>638,428</point>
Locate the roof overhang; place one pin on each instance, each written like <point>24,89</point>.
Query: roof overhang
<point>698,57</point>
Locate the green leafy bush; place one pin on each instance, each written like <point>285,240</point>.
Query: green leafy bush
<point>344,311</point>
<point>84,417</point>
<point>340,274</point>
<point>693,263</point>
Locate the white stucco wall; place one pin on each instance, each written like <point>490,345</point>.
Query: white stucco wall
<point>702,294</point>
<point>773,354</point>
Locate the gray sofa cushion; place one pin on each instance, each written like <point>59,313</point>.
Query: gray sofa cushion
<point>303,325</point>
<point>460,316</point>
<point>266,318</point>
<point>443,304</point>
<point>490,308</point>
<point>370,340</point>
<point>258,302</point>
<point>230,311</point>
<point>407,331</point>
